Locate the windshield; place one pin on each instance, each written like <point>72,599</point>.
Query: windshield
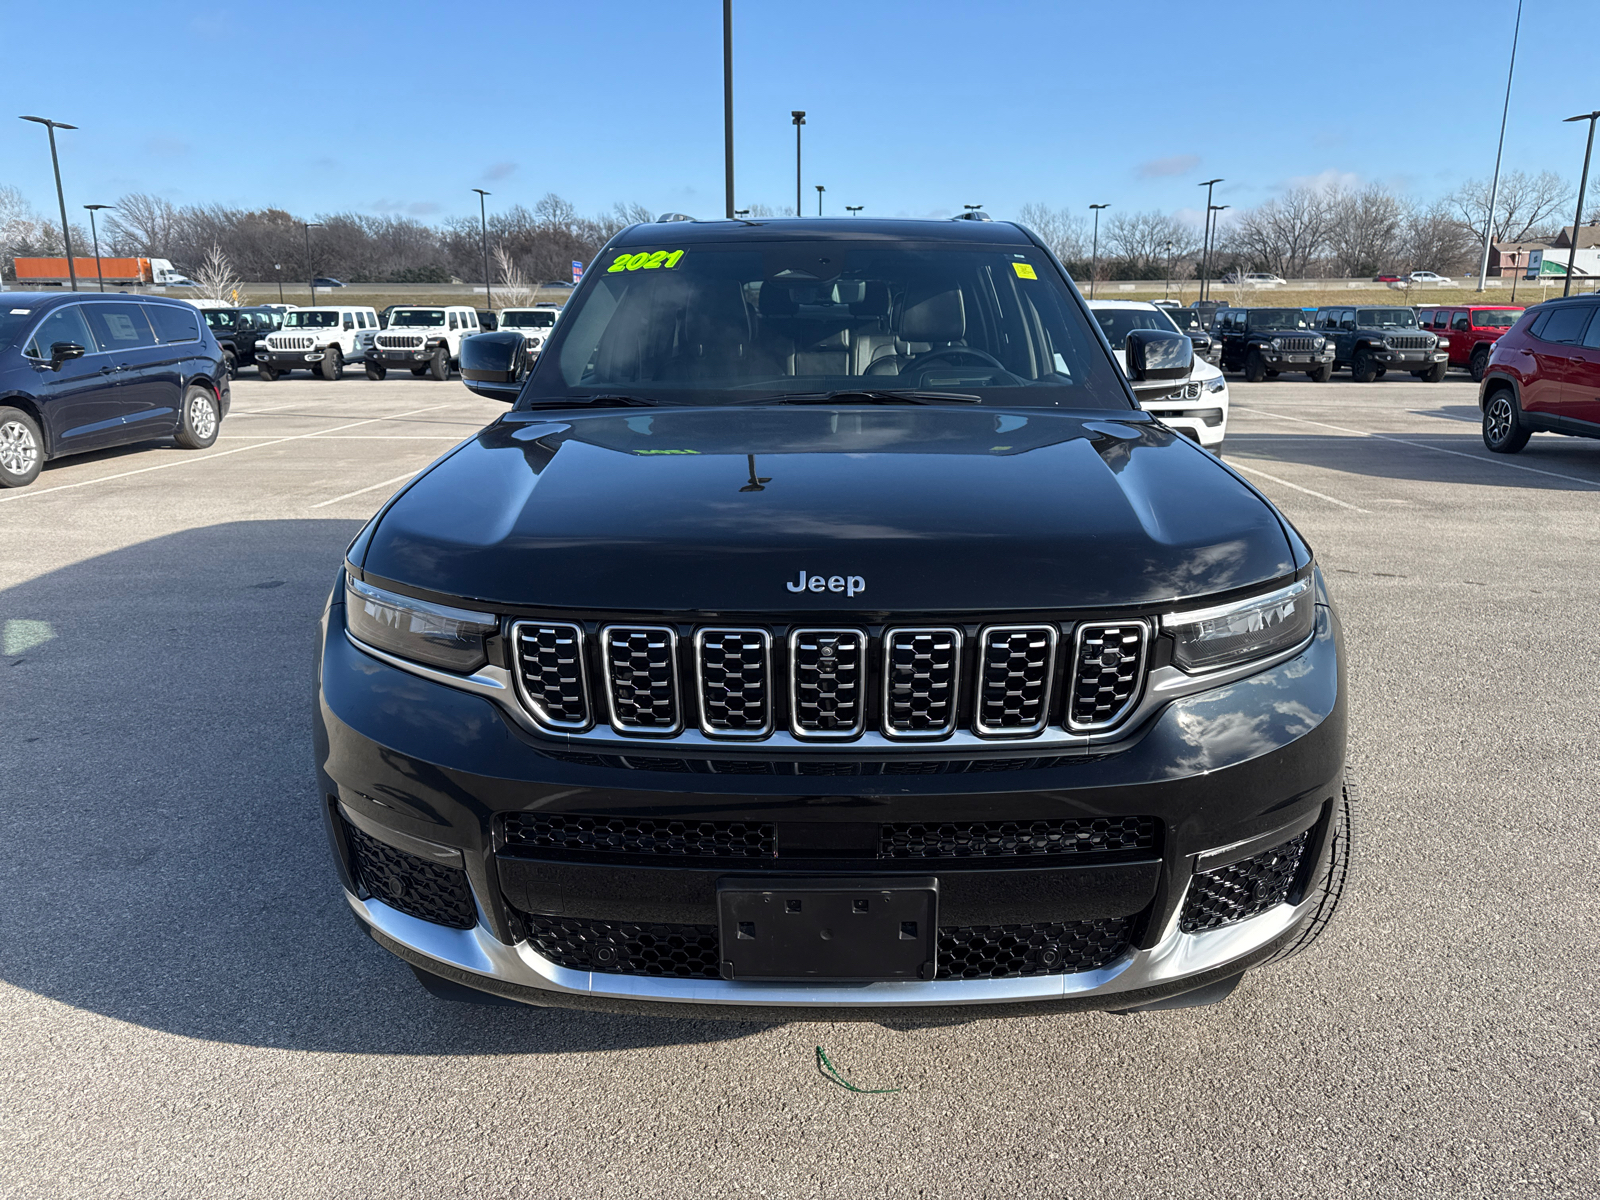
<point>12,322</point>
<point>220,320</point>
<point>417,316</point>
<point>1279,318</point>
<point>1386,318</point>
<point>1119,322</point>
<point>730,323</point>
<point>1495,318</point>
<point>527,320</point>
<point>310,320</point>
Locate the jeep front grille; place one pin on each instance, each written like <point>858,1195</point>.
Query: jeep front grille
<point>1108,669</point>
<point>1015,665</point>
<point>550,670</point>
<point>825,682</point>
<point>1410,342</point>
<point>642,677</point>
<point>284,341</point>
<point>1299,345</point>
<point>921,668</point>
<point>399,341</point>
<point>734,668</point>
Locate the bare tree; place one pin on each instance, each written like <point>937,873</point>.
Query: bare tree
<point>1140,240</point>
<point>1434,239</point>
<point>1061,229</point>
<point>1526,207</point>
<point>1285,234</point>
<point>143,224</point>
<point>219,282</point>
<point>513,283</point>
<point>1366,231</point>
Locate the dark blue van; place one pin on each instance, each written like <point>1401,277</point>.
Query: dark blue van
<point>83,372</point>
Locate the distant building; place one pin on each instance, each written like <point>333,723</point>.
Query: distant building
<point>1511,258</point>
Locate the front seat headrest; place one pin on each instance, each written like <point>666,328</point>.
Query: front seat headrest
<point>933,317</point>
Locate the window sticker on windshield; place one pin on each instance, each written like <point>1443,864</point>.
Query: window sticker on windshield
<point>1024,270</point>
<point>645,260</point>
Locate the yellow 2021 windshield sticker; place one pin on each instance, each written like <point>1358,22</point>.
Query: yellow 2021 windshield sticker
<point>645,260</point>
<point>1024,270</point>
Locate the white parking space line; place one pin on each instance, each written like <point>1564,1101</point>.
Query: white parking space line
<point>1238,466</point>
<point>370,488</point>
<point>188,459</point>
<point>1384,437</point>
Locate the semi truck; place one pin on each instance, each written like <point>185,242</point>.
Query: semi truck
<point>49,272</point>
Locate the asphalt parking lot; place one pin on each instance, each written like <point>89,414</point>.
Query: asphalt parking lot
<point>188,1010</point>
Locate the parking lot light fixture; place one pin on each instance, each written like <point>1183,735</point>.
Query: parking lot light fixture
<point>853,209</point>
<point>1094,257</point>
<point>1205,242</point>
<point>311,274</point>
<point>741,213</point>
<point>483,218</point>
<point>820,190</point>
<point>61,198</point>
<point>95,234</point>
<point>1583,183</point>
<point>1166,292</point>
<point>1494,186</point>
<point>798,116</point>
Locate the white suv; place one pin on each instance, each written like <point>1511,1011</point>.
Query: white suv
<point>319,339</point>
<point>1196,407</point>
<point>534,324</point>
<point>427,340</point>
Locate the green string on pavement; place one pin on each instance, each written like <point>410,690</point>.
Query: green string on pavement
<point>832,1072</point>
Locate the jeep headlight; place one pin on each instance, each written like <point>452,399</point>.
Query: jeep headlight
<point>1320,343</point>
<point>1277,343</point>
<point>1219,384</point>
<point>1229,634</point>
<point>451,638</point>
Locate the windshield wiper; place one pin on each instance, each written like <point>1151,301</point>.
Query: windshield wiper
<point>872,396</point>
<point>599,402</point>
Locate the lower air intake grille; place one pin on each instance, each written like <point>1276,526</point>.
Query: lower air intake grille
<point>419,888</point>
<point>825,682</point>
<point>1106,673</point>
<point>1016,839</point>
<point>638,835</point>
<point>1015,951</point>
<point>550,669</point>
<point>922,667</point>
<point>735,698</point>
<point>643,678</point>
<point>619,948</point>
<point>1016,664</point>
<point>1242,890</point>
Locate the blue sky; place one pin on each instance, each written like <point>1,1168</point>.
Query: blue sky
<point>914,107</point>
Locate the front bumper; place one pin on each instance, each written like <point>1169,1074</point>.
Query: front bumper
<point>1304,360</point>
<point>398,358</point>
<point>1411,359</point>
<point>287,360</point>
<point>433,771</point>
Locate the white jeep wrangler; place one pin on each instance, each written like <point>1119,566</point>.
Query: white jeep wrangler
<point>428,340</point>
<point>535,324</point>
<point>320,340</point>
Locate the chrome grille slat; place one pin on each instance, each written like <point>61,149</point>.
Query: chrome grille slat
<point>827,676</point>
<point>550,673</point>
<point>642,678</point>
<point>1016,664</point>
<point>734,668</point>
<point>921,678</point>
<point>1107,672</point>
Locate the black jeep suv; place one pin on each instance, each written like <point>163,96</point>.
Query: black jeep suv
<point>1263,342</point>
<point>237,331</point>
<point>1371,340</point>
<point>826,630</point>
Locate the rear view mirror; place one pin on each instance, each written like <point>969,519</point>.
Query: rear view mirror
<point>1158,354</point>
<point>493,365</point>
<point>60,352</point>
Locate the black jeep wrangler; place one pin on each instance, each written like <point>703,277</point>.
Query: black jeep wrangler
<point>826,631</point>
<point>1371,340</point>
<point>237,331</point>
<point>1265,342</point>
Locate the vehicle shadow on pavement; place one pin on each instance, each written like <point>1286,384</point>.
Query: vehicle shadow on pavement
<point>165,862</point>
<point>1409,456</point>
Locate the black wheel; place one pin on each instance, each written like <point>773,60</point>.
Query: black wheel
<point>1363,368</point>
<point>21,448</point>
<point>1273,374</point>
<point>199,419</point>
<point>1328,887</point>
<point>439,364</point>
<point>1320,374</point>
<point>376,370</point>
<point>1255,369</point>
<point>419,372</point>
<point>266,372</point>
<point>1479,363</point>
<point>1435,373</point>
<point>332,364</point>
<point>230,364</point>
<point>1382,371</point>
<point>1503,430</point>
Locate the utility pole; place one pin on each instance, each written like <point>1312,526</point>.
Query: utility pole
<point>483,217</point>
<point>311,274</point>
<point>66,230</point>
<point>1583,183</point>
<point>727,99</point>
<point>1166,292</point>
<point>1205,242</point>
<point>1094,259</point>
<point>820,190</point>
<point>95,233</point>
<point>1494,188</point>
<point>798,116</point>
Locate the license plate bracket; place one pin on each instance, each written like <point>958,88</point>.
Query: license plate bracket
<point>844,930</point>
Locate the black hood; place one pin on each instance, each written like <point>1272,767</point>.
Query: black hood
<point>935,509</point>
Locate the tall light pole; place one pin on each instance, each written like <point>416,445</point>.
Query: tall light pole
<point>311,274</point>
<point>278,267</point>
<point>1494,188</point>
<point>483,217</point>
<point>853,209</point>
<point>66,231</point>
<point>95,233</point>
<point>1205,242</point>
<point>727,99</point>
<point>1166,292</point>
<point>1583,183</point>
<point>1216,221</point>
<point>820,190</point>
<point>1094,260</point>
<point>798,116</point>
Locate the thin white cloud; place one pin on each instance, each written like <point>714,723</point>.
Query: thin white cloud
<point>1161,168</point>
<point>500,170</point>
<point>1329,180</point>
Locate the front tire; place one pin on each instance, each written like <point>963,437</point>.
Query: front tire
<point>1435,373</point>
<point>266,372</point>
<point>1320,374</point>
<point>1503,428</point>
<point>332,365</point>
<point>21,448</point>
<point>1329,886</point>
<point>376,371</point>
<point>1364,368</point>
<point>199,420</point>
<point>230,364</point>
<point>1255,368</point>
<point>439,365</point>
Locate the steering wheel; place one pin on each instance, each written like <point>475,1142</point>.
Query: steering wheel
<point>956,352</point>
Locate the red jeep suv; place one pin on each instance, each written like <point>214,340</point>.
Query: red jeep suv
<point>1544,376</point>
<point>1473,330</point>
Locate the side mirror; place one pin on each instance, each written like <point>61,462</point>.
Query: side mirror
<point>1158,354</point>
<point>60,352</point>
<point>493,365</point>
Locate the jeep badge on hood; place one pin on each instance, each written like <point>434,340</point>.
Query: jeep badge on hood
<point>850,585</point>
